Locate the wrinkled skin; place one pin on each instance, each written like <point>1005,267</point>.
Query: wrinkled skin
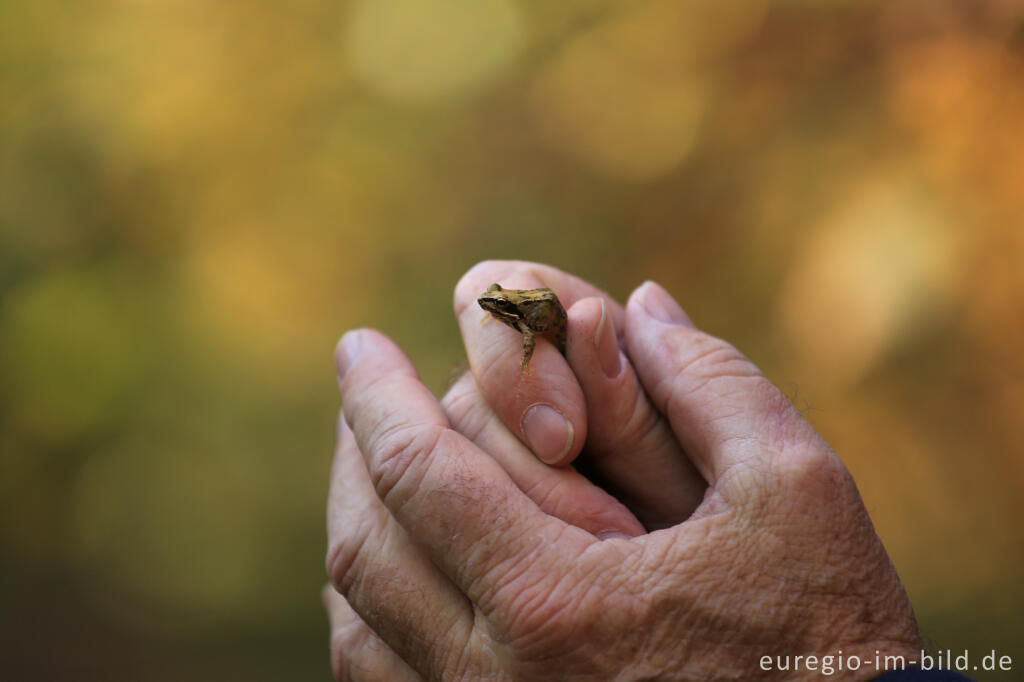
<point>725,529</point>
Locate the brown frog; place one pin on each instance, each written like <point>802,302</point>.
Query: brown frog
<point>530,311</point>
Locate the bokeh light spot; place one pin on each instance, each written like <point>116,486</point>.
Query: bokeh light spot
<point>415,51</point>
<point>628,97</point>
<point>619,118</point>
<point>70,351</point>
<point>876,267</point>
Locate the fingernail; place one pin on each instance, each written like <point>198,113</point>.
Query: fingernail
<point>660,305</point>
<point>608,354</point>
<point>613,535</point>
<point>347,352</point>
<point>547,432</point>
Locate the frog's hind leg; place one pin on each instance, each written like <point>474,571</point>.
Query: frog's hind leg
<point>529,341</point>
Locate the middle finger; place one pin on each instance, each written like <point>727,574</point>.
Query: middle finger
<point>631,448</point>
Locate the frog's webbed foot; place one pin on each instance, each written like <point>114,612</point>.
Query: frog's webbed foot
<point>529,341</point>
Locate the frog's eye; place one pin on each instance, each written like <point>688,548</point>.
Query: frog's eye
<point>501,302</point>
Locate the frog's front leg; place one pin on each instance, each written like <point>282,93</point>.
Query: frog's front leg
<point>529,341</point>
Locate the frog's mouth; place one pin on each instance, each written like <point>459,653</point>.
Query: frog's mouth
<point>503,316</point>
<point>509,317</point>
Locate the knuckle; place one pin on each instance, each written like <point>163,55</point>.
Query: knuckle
<point>554,496</point>
<point>396,452</point>
<point>642,423</point>
<point>362,411</point>
<point>495,375</point>
<point>461,390</point>
<point>464,406</point>
<point>701,366</point>
<point>344,557</point>
<point>347,639</point>
<point>715,359</point>
<point>816,471</point>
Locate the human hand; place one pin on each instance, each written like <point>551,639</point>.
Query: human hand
<point>448,570</point>
<point>592,396</point>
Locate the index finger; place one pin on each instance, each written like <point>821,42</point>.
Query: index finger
<point>452,498</point>
<point>545,408</point>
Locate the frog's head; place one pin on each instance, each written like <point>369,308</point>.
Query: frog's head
<point>497,302</point>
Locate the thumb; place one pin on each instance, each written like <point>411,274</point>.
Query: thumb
<point>722,409</point>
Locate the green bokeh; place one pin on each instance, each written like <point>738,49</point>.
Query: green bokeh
<point>198,198</point>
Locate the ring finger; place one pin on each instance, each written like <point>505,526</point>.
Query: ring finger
<point>630,449</point>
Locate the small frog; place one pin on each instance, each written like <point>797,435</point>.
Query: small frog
<point>530,311</point>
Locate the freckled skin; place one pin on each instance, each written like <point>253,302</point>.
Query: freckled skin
<point>530,311</point>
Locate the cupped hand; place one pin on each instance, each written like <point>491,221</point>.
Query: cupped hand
<point>446,569</point>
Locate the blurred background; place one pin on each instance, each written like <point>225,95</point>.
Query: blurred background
<point>197,198</point>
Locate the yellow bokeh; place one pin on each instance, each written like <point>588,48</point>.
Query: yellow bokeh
<point>198,198</point>
<point>881,266</point>
<point>629,96</point>
<point>417,51</point>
